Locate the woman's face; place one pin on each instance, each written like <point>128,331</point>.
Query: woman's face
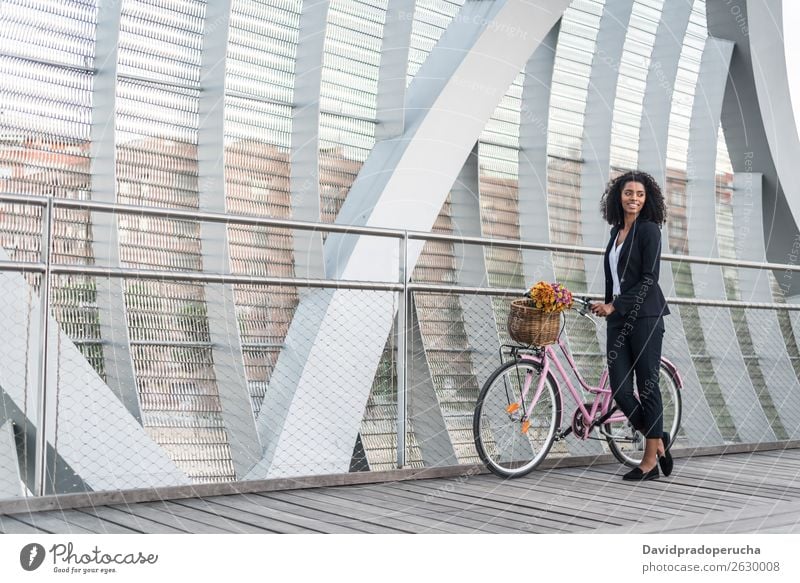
<point>633,197</point>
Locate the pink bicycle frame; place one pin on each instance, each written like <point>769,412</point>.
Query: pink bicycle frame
<point>600,405</point>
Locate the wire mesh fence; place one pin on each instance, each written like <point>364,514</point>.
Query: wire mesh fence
<point>178,376</point>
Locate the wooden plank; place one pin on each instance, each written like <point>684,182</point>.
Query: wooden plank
<point>270,525</point>
<point>536,520</point>
<point>331,517</point>
<point>778,480</point>
<point>715,519</point>
<point>206,513</point>
<point>568,502</point>
<point>733,485</point>
<point>398,520</point>
<point>590,492</point>
<point>52,522</point>
<point>140,523</point>
<point>586,496</point>
<point>470,522</point>
<point>487,513</point>
<point>641,495</point>
<point>531,500</point>
<point>10,525</point>
<point>777,467</point>
<point>157,513</point>
<point>786,529</point>
<point>95,523</point>
<point>684,492</point>
<point>255,505</point>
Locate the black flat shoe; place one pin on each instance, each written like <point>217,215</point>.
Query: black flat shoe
<point>637,475</point>
<point>665,461</point>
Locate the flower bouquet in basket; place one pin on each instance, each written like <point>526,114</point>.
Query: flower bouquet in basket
<point>535,319</point>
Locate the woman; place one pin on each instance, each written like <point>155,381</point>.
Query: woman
<point>634,307</point>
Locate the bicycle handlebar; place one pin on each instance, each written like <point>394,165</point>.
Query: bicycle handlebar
<point>582,307</point>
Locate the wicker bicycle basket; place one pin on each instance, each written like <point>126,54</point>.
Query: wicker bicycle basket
<point>530,325</point>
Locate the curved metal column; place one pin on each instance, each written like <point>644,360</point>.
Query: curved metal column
<point>698,422</point>
<point>226,348</point>
<point>596,146</point>
<point>304,171</point>
<point>726,356</point>
<point>654,127</point>
<point>120,375</point>
<point>394,68</point>
<point>757,118</point>
<point>754,286</point>
<point>533,127</point>
<point>403,183</point>
<point>477,311</point>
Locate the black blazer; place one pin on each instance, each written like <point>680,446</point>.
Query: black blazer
<point>638,269</point>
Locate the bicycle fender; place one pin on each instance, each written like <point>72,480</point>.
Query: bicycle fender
<point>536,360</point>
<point>674,371</point>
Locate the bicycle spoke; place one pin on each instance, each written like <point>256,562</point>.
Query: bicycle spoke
<point>509,441</point>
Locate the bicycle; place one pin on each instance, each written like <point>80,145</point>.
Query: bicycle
<point>518,414</point>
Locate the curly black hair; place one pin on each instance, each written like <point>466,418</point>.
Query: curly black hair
<point>654,208</point>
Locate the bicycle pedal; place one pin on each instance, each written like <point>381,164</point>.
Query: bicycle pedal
<point>512,408</point>
<point>525,426</point>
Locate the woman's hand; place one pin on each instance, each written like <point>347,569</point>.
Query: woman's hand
<point>602,309</point>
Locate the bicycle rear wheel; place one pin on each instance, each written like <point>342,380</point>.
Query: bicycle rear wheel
<point>504,443</point>
<point>626,443</point>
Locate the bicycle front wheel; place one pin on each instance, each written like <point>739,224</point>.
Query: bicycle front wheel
<point>626,443</point>
<point>511,441</point>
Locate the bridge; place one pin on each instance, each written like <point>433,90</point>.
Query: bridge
<point>745,492</point>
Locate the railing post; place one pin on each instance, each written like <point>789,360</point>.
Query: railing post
<point>40,470</point>
<point>402,353</point>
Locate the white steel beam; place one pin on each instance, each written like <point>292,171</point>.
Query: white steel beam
<point>226,348</point>
<point>112,312</point>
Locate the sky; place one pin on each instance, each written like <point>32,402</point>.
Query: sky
<point>791,16</point>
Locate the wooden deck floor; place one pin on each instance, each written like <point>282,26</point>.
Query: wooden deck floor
<point>733,493</point>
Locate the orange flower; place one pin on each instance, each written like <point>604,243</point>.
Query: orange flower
<point>550,297</point>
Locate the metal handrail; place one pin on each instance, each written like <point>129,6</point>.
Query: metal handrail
<point>249,220</point>
<point>404,286</point>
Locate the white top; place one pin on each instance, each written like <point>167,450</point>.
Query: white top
<point>613,260</point>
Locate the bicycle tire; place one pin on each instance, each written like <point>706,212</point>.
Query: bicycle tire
<point>628,445</point>
<point>502,446</point>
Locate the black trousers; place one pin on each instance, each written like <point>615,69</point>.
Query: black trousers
<point>634,346</point>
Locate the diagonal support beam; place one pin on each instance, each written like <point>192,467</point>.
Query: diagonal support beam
<point>95,435</point>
